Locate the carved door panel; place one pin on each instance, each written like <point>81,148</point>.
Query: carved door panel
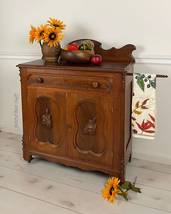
<point>47,116</point>
<point>91,133</point>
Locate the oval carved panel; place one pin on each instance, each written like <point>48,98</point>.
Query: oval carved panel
<point>48,126</point>
<point>89,135</point>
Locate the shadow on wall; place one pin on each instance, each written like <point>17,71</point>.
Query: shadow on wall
<point>80,32</point>
<point>76,32</point>
<point>139,51</point>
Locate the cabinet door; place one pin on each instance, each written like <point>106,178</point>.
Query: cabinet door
<point>47,116</point>
<point>91,134</point>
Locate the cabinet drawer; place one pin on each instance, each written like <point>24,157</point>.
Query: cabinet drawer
<point>72,82</point>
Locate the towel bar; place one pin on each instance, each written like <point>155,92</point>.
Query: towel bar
<point>158,75</point>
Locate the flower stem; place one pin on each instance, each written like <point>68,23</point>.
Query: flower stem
<point>124,194</point>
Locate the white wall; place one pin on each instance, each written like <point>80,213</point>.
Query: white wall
<point>144,23</point>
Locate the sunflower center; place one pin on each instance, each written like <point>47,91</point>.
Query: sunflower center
<point>56,25</point>
<point>111,190</point>
<point>52,36</point>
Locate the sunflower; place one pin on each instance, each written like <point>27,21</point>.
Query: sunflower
<point>53,36</point>
<point>32,34</point>
<point>56,23</point>
<point>39,35</point>
<point>111,189</point>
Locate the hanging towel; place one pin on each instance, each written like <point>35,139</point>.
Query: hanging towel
<point>144,105</point>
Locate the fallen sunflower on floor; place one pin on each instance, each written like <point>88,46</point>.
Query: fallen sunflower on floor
<point>114,187</point>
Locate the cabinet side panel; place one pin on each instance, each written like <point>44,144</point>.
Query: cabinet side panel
<point>128,101</point>
<point>122,118</point>
<point>128,107</point>
<point>23,77</point>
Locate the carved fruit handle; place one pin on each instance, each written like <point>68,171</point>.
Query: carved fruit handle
<point>90,128</point>
<point>46,119</point>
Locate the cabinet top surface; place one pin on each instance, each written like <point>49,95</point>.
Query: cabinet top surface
<point>114,60</point>
<point>105,66</point>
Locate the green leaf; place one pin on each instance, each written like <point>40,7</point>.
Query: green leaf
<point>126,185</point>
<point>135,189</point>
<point>125,195</point>
<point>145,102</point>
<point>140,83</point>
<point>153,83</point>
<point>137,104</point>
<point>133,118</point>
<point>138,75</point>
<point>144,107</point>
<point>137,112</point>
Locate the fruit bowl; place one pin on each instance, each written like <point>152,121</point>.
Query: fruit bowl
<point>76,56</point>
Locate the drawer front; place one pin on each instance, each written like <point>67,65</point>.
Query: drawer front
<point>72,82</point>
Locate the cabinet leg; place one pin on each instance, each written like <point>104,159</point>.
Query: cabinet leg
<point>130,158</point>
<point>27,157</point>
<point>122,179</point>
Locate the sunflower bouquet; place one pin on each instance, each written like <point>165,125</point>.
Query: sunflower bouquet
<point>113,187</point>
<point>49,33</point>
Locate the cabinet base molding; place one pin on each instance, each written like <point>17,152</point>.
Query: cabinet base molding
<point>73,163</point>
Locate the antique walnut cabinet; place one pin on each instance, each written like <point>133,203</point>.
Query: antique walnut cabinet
<point>79,115</point>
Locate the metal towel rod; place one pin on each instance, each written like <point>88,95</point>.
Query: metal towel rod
<point>158,75</point>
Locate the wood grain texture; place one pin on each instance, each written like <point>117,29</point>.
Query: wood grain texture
<point>57,194</point>
<point>12,201</point>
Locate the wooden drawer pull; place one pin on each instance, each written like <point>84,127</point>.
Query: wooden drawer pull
<point>40,80</point>
<point>95,84</point>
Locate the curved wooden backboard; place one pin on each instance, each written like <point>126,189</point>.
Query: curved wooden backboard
<point>123,54</point>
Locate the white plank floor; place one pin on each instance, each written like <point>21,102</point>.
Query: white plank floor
<point>42,187</point>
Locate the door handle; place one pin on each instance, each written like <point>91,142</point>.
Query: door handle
<point>95,84</point>
<point>40,80</point>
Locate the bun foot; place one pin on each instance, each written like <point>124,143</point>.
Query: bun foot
<point>28,158</point>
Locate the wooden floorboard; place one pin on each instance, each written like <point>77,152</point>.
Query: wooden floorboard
<point>158,167</point>
<point>17,203</point>
<point>70,190</point>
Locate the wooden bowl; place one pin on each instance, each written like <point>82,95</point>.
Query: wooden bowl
<point>77,56</point>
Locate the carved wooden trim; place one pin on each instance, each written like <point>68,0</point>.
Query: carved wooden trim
<point>90,128</point>
<point>122,55</point>
<point>46,119</point>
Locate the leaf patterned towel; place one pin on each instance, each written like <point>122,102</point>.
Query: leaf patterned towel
<point>144,105</point>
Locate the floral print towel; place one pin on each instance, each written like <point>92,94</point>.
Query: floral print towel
<point>144,105</point>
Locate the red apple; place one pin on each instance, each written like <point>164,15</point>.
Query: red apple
<point>73,47</point>
<point>96,59</point>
